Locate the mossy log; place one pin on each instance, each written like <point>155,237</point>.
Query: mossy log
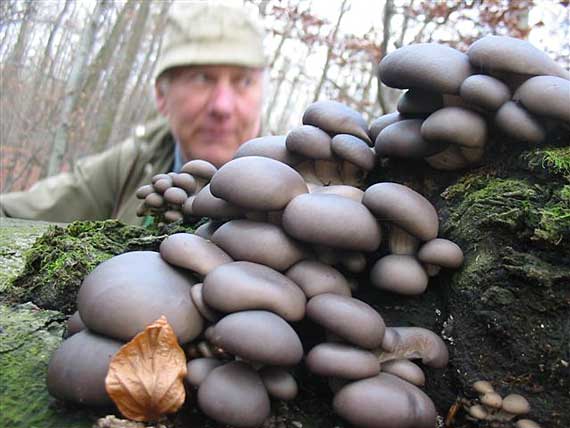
<point>505,314</point>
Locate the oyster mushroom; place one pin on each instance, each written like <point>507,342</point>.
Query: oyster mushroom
<point>518,123</point>
<point>382,122</point>
<point>199,368</point>
<point>406,370</point>
<point>357,159</point>
<point>279,383</point>
<point>485,91</point>
<point>403,139</point>
<point>272,146</point>
<point>342,360</point>
<point>204,204</point>
<point>419,102</point>
<point>336,118</point>
<point>185,182</point>
<point>198,298</point>
<point>309,142</point>
<point>401,274</point>
<point>201,170</point>
<point>315,277</point>
<point>439,253</point>
<point>74,324</point>
<point>546,96</point>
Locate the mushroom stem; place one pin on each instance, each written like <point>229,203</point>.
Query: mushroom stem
<point>327,172</point>
<point>351,174</point>
<point>307,170</point>
<point>402,242</point>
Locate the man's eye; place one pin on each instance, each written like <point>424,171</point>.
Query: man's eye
<point>199,78</point>
<point>245,81</point>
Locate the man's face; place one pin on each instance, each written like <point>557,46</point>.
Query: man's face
<point>212,109</point>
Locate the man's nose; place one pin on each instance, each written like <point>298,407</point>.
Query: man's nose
<point>223,99</point>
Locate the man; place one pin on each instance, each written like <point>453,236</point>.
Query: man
<point>208,89</point>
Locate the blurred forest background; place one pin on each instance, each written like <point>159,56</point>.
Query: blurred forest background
<point>76,75</point>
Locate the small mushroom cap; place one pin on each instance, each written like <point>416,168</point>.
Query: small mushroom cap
<point>163,184</point>
<point>354,150</point>
<point>259,336</point>
<point>501,53</point>
<point>483,386</point>
<point>310,142</point>
<point>333,221</point>
<point>526,423</point>
<point>400,274</point>
<point>234,394</point>
<point>441,252</point>
<point>279,383</point>
<point>417,101</point>
<point>404,207</point>
<point>199,168</point>
<point>207,205</point>
<point>406,370</point>
<point>258,184</point>
<point>478,412</point>
<point>175,196</point>
<point>351,192</point>
<point>516,404</point>
<point>77,369</point>
<point>492,399</point>
<point>112,295</point>
<point>403,139</point>
<point>199,368</point>
<point>239,286</point>
<point>272,146</point>
<point>382,122</point>
<point>74,324</point>
<point>193,252</point>
<point>143,191</point>
<point>336,118</point>
<point>428,66</point>
<point>172,215</point>
<point>385,401</point>
<point>258,242</point>
<point>184,181</point>
<point>456,125</point>
<point>349,318</point>
<point>206,230</point>
<point>341,360</point>
<point>546,96</point>
<point>518,123</point>
<point>485,91</point>
<point>411,343</point>
<point>154,200</point>
<point>157,177</point>
<point>315,277</point>
<point>198,299</point>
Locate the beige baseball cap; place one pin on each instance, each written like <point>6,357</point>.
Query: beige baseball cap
<point>208,32</point>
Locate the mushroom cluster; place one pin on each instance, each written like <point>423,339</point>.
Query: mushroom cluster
<point>499,411</point>
<point>455,100</point>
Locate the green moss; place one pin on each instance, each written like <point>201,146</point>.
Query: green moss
<point>554,223</point>
<point>552,161</point>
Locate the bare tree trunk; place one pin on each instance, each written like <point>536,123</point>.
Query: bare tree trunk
<point>388,13</point>
<point>343,9</point>
<point>18,53</point>
<point>116,88</point>
<point>400,42</point>
<point>282,74</point>
<point>72,91</point>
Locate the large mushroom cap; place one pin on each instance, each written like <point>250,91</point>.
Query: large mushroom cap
<point>199,168</point>
<point>518,123</point>
<point>417,101</point>
<point>310,142</point>
<point>354,150</point>
<point>341,360</point>
<point>244,285</point>
<point>456,125</point>
<point>500,53</point>
<point>205,204</point>
<point>404,207</point>
<point>112,295</point>
<point>428,66</point>
<point>257,183</point>
<point>385,401</point>
<point>271,146</point>
<point>77,369</point>
<point>414,342</point>
<point>382,122</point>
<point>405,369</point>
<point>259,336</point>
<point>403,139</point>
<point>336,118</point>
<point>279,382</point>
<point>258,242</point>
<point>193,252</point>
<point>546,96</point>
<point>333,221</point>
<point>441,252</point>
<point>315,277</point>
<point>400,274</point>
<point>234,394</point>
<point>349,318</point>
<point>485,91</point>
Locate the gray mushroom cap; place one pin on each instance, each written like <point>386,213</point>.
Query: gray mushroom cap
<point>501,53</point>
<point>112,295</point>
<point>315,277</point>
<point>199,368</point>
<point>271,146</point>
<point>244,285</point>
<point>234,394</point>
<point>405,369</point>
<point>456,125</point>
<point>258,242</point>
<point>441,252</point>
<point>74,324</point>
<point>310,142</point>
<point>143,191</point>
<point>336,118</point>
<point>257,183</point>
<point>404,207</point>
<point>417,101</point>
<point>343,361</point>
<point>205,204</point>
<point>351,192</point>
<point>193,252</point>
<point>175,196</point>
<point>412,343</point>
<point>77,369</point>
<point>400,274</point>
<point>198,298</point>
<point>354,150</point>
<point>206,230</point>
<point>403,139</point>
<point>331,220</point>
<point>518,123</point>
<point>258,336</point>
<point>163,184</point>
<point>485,91</point>
<point>349,318</point>
<point>199,168</point>
<point>516,404</point>
<point>279,382</point>
<point>546,96</point>
<point>382,122</point>
<point>185,182</point>
<point>427,66</point>
<point>385,401</point>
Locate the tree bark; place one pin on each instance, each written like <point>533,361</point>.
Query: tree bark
<point>387,20</point>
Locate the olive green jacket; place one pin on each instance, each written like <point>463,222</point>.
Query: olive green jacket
<point>101,186</point>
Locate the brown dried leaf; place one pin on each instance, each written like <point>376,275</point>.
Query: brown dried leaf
<point>145,377</point>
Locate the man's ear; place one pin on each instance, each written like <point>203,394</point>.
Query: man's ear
<point>160,97</point>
